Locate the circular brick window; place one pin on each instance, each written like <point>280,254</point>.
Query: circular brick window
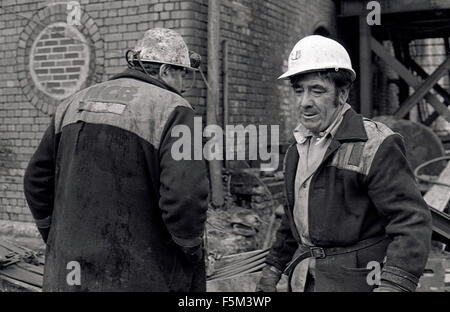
<point>59,60</point>
<point>55,59</point>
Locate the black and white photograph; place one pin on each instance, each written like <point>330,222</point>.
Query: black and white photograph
<point>225,150</point>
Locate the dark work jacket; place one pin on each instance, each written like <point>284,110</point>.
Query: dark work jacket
<point>364,188</point>
<point>104,187</point>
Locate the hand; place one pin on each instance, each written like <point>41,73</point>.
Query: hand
<point>270,277</point>
<point>44,233</point>
<point>193,254</point>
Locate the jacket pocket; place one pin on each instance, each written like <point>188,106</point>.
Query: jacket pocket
<point>375,253</point>
<point>344,279</point>
<point>357,279</point>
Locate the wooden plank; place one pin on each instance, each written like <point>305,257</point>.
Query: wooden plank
<point>4,251</point>
<point>437,87</point>
<point>7,247</point>
<point>431,119</point>
<point>423,89</point>
<point>365,64</point>
<point>38,269</point>
<point>441,225</point>
<point>406,75</point>
<point>447,48</point>
<point>439,195</point>
<point>438,106</point>
<point>12,285</point>
<point>22,275</point>
<point>357,7</point>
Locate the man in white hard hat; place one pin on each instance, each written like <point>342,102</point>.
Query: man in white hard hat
<point>355,219</point>
<point>108,197</point>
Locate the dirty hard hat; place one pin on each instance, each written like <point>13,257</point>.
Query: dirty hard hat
<point>165,46</point>
<point>317,53</point>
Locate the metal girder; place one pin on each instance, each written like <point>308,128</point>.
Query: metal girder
<point>423,89</point>
<point>18,273</point>
<point>358,7</point>
<point>407,76</point>
<point>441,225</point>
<point>439,195</point>
<point>437,87</point>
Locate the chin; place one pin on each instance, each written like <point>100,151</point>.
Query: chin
<point>312,126</point>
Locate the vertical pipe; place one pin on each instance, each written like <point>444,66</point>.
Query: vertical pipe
<point>365,70</point>
<point>447,53</point>
<point>225,89</point>
<point>215,166</point>
<point>403,86</point>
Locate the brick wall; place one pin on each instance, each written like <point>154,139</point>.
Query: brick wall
<point>59,60</point>
<point>260,35</point>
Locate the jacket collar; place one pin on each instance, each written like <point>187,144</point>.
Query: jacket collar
<point>301,133</point>
<point>136,74</point>
<point>351,128</point>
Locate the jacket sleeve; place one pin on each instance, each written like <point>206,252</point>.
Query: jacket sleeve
<point>183,182</point>
<point>284,247</point>
<point>394,192</point>
<point>39,181</point>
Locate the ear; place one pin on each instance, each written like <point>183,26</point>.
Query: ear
<point>164,70</point>
<point>343,95</point>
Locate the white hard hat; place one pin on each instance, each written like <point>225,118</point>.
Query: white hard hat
<point>316,53</point>
<point>166,46</point>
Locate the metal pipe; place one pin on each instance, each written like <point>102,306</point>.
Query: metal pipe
<point>225,90</point>
<point>215,166</point>
<point>240,270</point>
<point>242,262</point>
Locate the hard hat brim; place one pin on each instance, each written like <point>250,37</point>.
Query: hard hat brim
<point>173,64</point>
<point>295,72</point>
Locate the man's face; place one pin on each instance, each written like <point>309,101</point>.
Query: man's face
<point>174,77</point>
<point>317,101</point>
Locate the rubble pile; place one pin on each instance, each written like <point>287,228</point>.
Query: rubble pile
<point>249,220</point>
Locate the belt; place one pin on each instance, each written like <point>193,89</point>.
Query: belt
<point>305,252</point>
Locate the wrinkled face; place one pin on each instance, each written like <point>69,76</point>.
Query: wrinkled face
<point>318,101</point>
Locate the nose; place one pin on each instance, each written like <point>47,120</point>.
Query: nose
<point>304,100</point>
